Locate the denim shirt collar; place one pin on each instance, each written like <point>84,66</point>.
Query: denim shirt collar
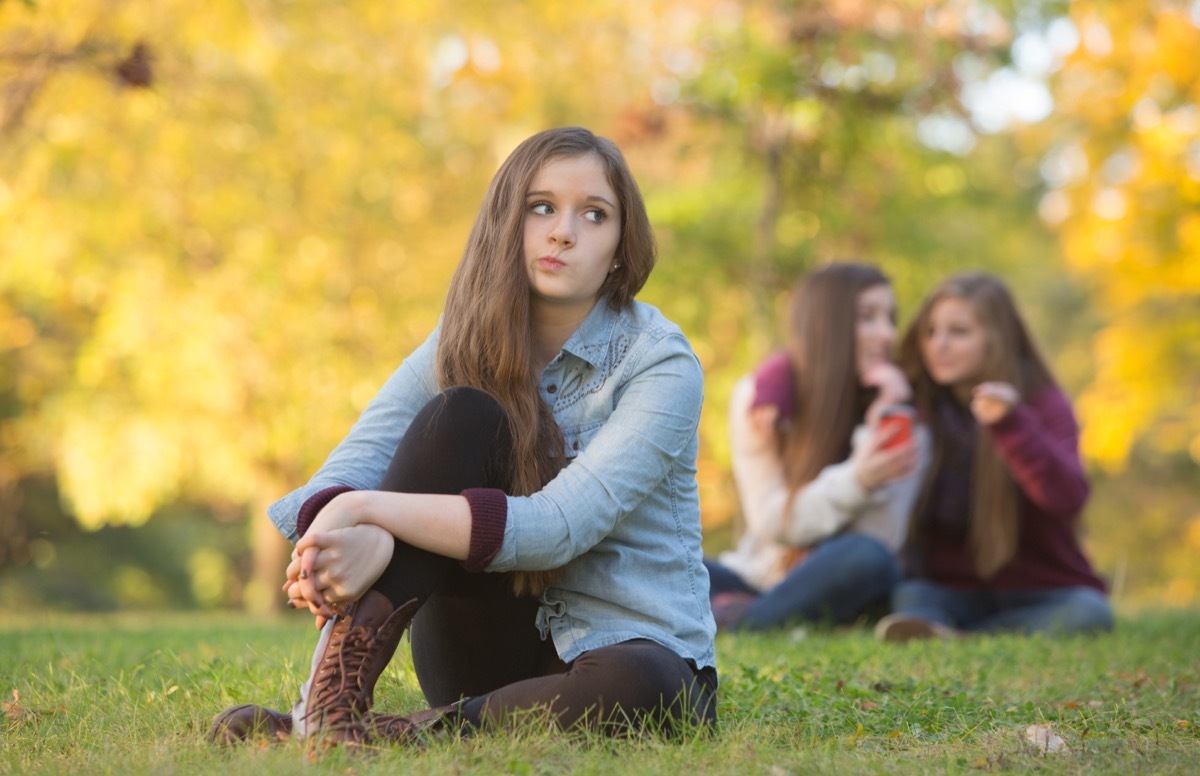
<point>592,341</point>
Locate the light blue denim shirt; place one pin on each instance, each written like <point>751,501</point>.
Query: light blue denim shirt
<point>623,516</point>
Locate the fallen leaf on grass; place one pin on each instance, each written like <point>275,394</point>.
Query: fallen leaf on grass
<point>13,709</point>
<point>1081,704</point>
<point>853,740</point>
<point>1045,740</point>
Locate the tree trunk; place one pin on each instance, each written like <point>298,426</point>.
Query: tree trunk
<point>271,553</point>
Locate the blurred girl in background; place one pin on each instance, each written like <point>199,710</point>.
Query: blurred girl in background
<point>825,492</point>
<point>994,540</point>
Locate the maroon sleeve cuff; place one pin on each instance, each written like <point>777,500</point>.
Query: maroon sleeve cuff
<point>489,515</point>
<point>315,503</point>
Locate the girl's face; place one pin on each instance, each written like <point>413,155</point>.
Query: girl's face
<point>572,229</point>
<point>875,327</point>
<point>954,345</point>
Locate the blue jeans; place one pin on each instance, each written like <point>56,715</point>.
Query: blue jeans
<point>1052,610</point>
<point>839,580</point>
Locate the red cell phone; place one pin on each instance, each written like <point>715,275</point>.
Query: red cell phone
<point>900,417</point>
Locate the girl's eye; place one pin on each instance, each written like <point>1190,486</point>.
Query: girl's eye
<point>541,208</point>
<point>596,216</point>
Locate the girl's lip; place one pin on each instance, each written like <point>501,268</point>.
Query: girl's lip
<point>551,262</point>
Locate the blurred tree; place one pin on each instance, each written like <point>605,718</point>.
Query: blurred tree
<point>1123,191</point>
<point>1125,196</point>
<point>839,130</point>
<point>222,231</point>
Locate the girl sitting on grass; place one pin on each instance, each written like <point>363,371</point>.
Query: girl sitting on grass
<point>825,492</point>
<point>522,491</point>
<point>994,542</point>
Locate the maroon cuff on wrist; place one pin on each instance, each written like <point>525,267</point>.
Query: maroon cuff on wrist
<point>315,503</point>
<point>489,515</point>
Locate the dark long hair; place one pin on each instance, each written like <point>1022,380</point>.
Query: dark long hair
<point>828,399</point>
<point>486,339</point>
<point>1011,357</point>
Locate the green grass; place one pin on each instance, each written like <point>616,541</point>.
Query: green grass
<point>135,694</point>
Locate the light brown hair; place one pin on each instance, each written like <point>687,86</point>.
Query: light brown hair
<point>828,398</point>
<point>1011,357</point>
<point>486,340</point>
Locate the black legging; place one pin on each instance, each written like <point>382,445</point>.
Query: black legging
<point>473,638</point>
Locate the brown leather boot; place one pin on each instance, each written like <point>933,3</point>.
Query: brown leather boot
<point>239,723</point>
<point>410,728</point>
<point>350,656</point>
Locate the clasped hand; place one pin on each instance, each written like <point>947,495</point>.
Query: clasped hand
<point>336,561</point>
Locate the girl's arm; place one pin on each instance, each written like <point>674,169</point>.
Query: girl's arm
<point>757,468</point>
<point>822,507</point>
<point>1039,442</point>
<point>650,435</point>
<point>438,523</point>
<point>653,424</point>
<point>345,551</point>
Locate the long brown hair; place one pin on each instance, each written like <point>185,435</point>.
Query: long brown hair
<point>1011,357</point>
<point>828,399</point>
<point>486,340</point>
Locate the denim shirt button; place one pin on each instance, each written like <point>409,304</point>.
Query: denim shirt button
<point>575,445</point>
<point>552,388</point>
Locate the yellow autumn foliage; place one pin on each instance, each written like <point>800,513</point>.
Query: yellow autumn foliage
<point>1130,98</point>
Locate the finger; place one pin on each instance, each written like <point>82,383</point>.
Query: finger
<point>307,576</point>
<point>294,591</point>
<point>315,539</point>
<point>292,573</point>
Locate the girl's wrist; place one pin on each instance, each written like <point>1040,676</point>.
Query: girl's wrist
<point>362,507</point>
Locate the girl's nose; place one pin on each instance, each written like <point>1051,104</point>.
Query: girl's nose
<point>562,233</point>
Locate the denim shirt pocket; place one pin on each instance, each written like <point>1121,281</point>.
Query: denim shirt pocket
<point>576,438</point>
<point>550,609</point>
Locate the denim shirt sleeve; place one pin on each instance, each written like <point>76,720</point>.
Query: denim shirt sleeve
<point>655,415</point>
<point>362,458</point>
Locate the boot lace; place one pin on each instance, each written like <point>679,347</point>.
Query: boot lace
<point>341,700</point>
